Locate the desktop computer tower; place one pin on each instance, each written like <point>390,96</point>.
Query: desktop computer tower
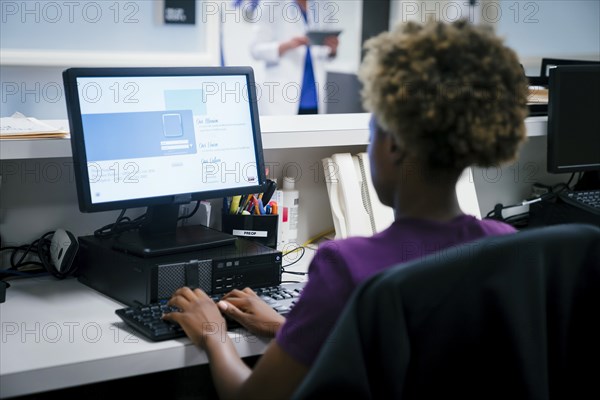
<point>135,280</point>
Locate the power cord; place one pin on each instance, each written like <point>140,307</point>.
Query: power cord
<point>23,262</point>
<point>24,266</point>
<point>194,211</point>
<point>546,193</point>
<point>122,224</point>
<point>302,250</point>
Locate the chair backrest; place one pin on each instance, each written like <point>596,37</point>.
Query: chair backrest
<point>510,317</point>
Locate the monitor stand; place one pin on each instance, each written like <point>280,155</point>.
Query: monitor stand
<point>160,235</point>
<point>589,181</point>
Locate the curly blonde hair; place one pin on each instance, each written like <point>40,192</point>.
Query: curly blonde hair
<point>453,93</point>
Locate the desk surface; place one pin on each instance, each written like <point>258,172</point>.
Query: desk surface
<point>57,334</point>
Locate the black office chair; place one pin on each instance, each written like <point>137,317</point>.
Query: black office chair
<point>510,317</point>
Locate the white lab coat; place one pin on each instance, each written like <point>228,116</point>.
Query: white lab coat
<point>279,91</point>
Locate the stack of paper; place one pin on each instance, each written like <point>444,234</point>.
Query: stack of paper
<point>19,126</point>
<point>537,95</point>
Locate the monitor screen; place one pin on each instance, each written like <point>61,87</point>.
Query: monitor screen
<point>150,137</point>
<point>573,119</point>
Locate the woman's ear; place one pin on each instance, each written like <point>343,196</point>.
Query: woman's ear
<point>396,148</point>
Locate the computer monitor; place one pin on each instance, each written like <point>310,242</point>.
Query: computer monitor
<point>342,93</point>
<point>573,119</point>
<point>159,138</point>
<point>549,63</point>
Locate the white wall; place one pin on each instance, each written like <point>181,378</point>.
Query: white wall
<point>534,29</point>
<point>439,10</point>
<point>555,29</point>
<point>113,33</point>
<point>115,25</point>
<point>34,91</point>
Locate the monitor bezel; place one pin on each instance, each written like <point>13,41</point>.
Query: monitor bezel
<point>553,165</point>
<point>80,163</point>
<point>551,63</point>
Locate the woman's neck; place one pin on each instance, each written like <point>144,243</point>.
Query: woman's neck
<point>427,196</point>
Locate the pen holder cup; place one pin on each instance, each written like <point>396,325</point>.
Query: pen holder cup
<point>259,228</point>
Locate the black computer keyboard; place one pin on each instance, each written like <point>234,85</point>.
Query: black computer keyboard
<point>588,200</point>
<point>147,319</point>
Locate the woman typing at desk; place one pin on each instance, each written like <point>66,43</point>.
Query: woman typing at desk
<point>443,97</point>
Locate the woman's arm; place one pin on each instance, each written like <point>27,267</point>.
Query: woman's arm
<point>276,375</point>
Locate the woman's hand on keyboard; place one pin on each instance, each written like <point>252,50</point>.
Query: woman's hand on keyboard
<point>252,312</point>
<point>198,316</point>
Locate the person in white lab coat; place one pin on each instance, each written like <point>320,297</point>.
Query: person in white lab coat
<point>295,76</point>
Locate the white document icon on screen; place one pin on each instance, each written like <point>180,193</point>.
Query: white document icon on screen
<point>172,125</point>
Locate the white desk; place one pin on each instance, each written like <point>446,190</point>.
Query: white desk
<point>59,334</point>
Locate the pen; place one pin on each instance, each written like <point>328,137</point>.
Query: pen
<point>261,207</point>
<point>273,205</point>
<point>256,208</point>
<point>250,203</point>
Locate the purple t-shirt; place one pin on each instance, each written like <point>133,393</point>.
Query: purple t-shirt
<point>340,266</point>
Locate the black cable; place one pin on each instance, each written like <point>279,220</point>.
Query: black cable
<point>9,248</point>
<point>294,272</point>
<point>295,249</point>
<point>107,230</point>
<point>571,178</point>
<point>194,211</point>
<point>39,248</point>
<point>496,213</point>
<point>16,250</point>
<point>122,224</point>
<point>580,175</point>
<point>26,249</point>
<point>302,252</point>
<point>9,273</point>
